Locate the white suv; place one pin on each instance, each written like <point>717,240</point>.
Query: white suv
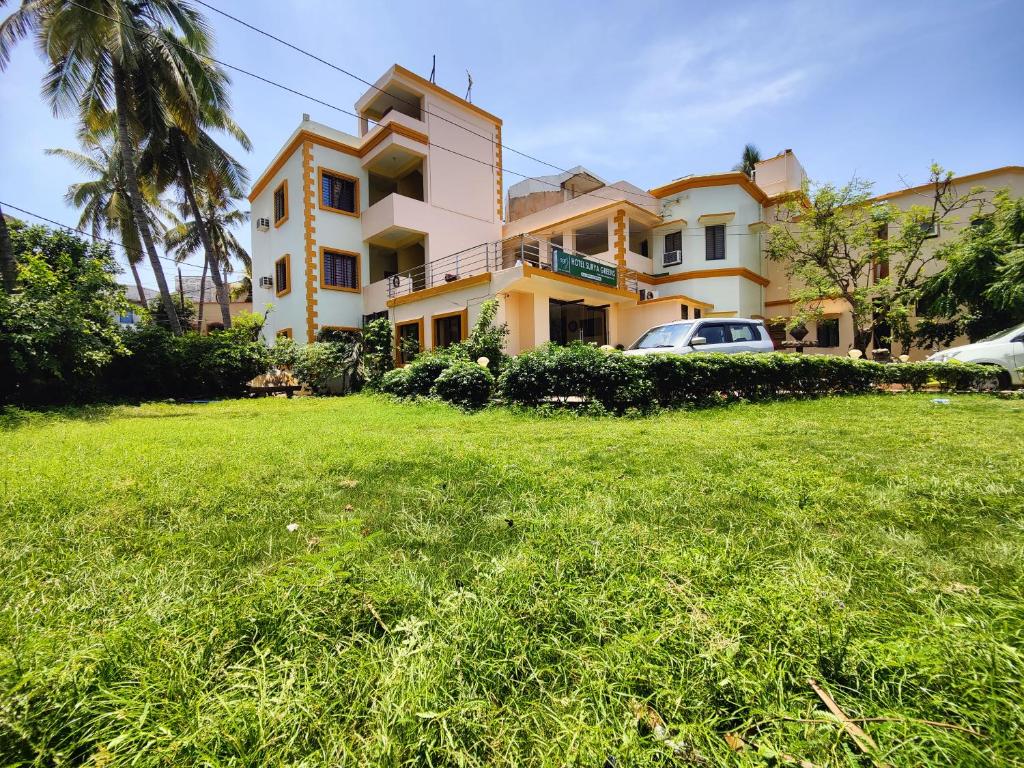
<point>1005,349</point>
<point>733,334</point>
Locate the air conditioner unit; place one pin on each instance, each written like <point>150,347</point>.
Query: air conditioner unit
<point>672,258</point>
<point>266,282</point>
<point>263,224</point>
<point>647,295</point>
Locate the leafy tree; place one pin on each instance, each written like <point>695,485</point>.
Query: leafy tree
<point>139,58</point>
<point>104,201</point>
<point>841,243</point>
<point>750,157</point>
<point>58,329</point>
<point>185,309</point>
<point>219,217</point>
<point>975,294</point>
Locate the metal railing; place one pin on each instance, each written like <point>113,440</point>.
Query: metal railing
<point>493,257</point>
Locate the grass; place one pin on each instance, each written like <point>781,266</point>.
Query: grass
<point>507,589</point>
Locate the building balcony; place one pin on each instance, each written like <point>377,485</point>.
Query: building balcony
<point>395,220</point>
<point>398,142</point>
<point>513,259</point>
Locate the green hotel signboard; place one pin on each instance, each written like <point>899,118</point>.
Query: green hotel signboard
<point>585,269</point>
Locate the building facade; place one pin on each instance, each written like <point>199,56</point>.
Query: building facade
<point>407,220</point>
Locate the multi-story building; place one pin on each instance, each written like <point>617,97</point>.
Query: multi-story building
<point>407,220</point>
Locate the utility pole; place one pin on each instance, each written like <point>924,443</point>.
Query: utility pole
<point>6,256</point>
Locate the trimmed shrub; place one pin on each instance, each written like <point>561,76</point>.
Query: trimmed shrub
<point>955,376</point>
<point>161,365</point>
<point>620,383</point>
<point>424,370</point>
<point>464,384</point>
<point>395,382</point>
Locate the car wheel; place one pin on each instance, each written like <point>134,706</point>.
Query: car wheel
<point>996,382</point>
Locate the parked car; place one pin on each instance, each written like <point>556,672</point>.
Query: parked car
<point>1005,349</point>
<point>734,334</point>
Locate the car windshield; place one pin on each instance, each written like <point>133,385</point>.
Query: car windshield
<point>664,336</point>
<point>1007,332</point>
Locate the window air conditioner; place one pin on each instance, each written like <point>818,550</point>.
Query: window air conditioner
<point>262,224</point>
<point>266,282</point>
<point>672,258</point>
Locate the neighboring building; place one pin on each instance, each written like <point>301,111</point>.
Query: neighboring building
<point>192,287</point>
<point>133,315</point>
<point>406,221</point>
<point>834,331</point>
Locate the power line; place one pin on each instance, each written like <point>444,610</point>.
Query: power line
<point>316,100</point>
<point>127,249</point>
<point>364,81</point>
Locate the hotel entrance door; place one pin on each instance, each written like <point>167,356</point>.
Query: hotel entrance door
<point>575,321</point>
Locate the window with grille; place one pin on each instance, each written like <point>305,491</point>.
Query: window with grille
<point>828,332</point>
<point>338,193</point>
<point>281,203</point>
<point>673,249</point>
<point>714,242</point>
<point>340,270</point>
<point>282,280</point>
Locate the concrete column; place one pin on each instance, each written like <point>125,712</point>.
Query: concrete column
<point>613,326</point>
<point>541,320</point>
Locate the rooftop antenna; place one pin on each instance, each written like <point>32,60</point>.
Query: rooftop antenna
<point>433,70</point>
<point>469,87</point>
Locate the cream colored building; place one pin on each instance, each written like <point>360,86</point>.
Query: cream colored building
<point>408,221</point>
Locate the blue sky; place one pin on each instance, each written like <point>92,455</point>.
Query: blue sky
<point>642,91</point>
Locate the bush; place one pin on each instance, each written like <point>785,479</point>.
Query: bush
<point>160,365</point>
<point>950,376</point>
<point>424,370</point>
<point>377,350</point>
<point>620,383</point>
<point>487,339</point>
<point>464,384</point>
<point>58,330</point>
<point>395,382</point>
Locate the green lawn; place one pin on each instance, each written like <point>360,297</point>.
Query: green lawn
<point>503,589</point>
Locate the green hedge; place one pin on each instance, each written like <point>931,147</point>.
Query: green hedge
<point>620,382</point>
<point>160,365</point>
<point>581,373</point>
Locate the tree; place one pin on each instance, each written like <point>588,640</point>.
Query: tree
<point>122,56</point>
<point>58,329</point>
<point>980,291</point>
<point>104,201</point>
<point>841,243</point>
<point>750,157</point>
<point>184,152</point>
<point>218,217</point>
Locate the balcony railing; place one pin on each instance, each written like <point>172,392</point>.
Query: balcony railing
<point>492,257</point>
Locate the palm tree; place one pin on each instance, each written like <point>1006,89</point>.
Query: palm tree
<point>118,54</point>
<point>217,220</point>
<point>104,201</point>
<point>751,156</point>
<point>188,156</point>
